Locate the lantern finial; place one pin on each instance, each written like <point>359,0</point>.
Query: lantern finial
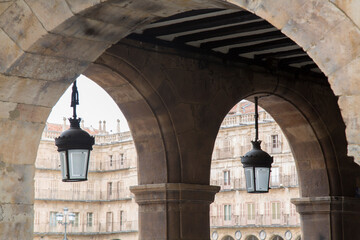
<point>74,146</point>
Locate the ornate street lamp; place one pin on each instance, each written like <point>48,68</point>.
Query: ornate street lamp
<point>74,146</point>
<point>62,219</point>
<point>257,163</point>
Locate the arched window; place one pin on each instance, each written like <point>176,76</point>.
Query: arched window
<point>252,237</point>
<point>227,237</point>
<point>277,237</point>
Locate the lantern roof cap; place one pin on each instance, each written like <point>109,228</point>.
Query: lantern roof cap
<point>256,157</point>
<point>74,137</point>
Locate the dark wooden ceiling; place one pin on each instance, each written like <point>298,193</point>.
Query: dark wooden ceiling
<point>231,34</point>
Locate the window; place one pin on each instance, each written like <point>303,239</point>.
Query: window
<point>226,145</point>
<point>275,176</point>
<point>277,237</point>
<point>121,159</point>
<point>53,219</point>
<point>89,219</point>
<point>275,141</point>
<point>250,211</point>
<point>227,212</point>
<point>111,160</point>
<point>227,177</point>
<point>121,215</point>
<point>275,210</point>
<point>252,237</point>
<point>76,219</point>
<point>109,189</point>
<point>109,221</point>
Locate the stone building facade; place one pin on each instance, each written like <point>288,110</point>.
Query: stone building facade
<point>105,208</point>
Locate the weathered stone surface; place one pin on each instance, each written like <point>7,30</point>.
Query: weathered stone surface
<point>30,91</point>
<point>311,22</point>
<point>6,108</point>
<point>351,8</point>
<point>78,6</point>
<point>20,23</point>
<point>51,13</point>
<point>47,68</point>
<point>30,113</point>
<point>337,48</point>
<point>4,6</point>
<point>9,51</point>
<point>278,14</point>
<point>346,81</point>
<point>21,140</point>
<point>174,210</point>
<point>19,187</point>
<point>349,106</point>
<point>16,221</point>
<point>104,76</point>
<point>119,16</point>
<point>68,47</point>
<point>91,29</point>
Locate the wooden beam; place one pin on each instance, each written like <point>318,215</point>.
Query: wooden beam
<point>298,59</point>
<point>202,23</point>
<point>279,54</point>
<point>262,46</point>
<point>190,14</point>
<point>241,28</point>
<point>243,39</point>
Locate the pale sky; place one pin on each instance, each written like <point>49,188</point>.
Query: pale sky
<point>94,105</point>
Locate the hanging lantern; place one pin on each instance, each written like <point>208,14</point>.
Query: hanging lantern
<point>74,146</point>
<point>257,163</point>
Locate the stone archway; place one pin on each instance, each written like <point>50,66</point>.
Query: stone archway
<point>307,112</point>
<point>46,44</point>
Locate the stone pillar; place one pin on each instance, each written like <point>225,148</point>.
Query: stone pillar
<point>172,211</point>
<point>104,126</point>
<point>328,218</point>
<point>64,124</point>
<point>100,126</point>
<point>118,126</point>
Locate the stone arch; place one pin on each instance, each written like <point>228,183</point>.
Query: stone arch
<point>45,46</point>
<point>80,32</point>
<point>251,237</point>
<point>152,135</point>
<point>227,237</point>
<point>277,237</point>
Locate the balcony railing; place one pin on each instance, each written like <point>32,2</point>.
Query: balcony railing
<point>73,195</point>
<point>244,119</point>
<point>257,220</point>
<point>99,139</point>
<point>94,166</point>
<point>240,184</point>
<point>84,229</point>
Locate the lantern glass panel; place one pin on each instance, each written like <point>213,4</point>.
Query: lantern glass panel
<point>78,159</point>
<point>71,217</point>
<point>262,179</point>
<point>249,177</point>
<point>63,164</point>
<point>59,217</point>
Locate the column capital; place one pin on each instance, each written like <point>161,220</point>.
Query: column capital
<point>326,204</point>
<point>167,192</point>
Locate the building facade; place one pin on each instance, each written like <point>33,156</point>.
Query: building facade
<point>105,208</point>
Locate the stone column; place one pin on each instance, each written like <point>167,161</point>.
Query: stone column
<point>328,218</point>
<point>172,211</point>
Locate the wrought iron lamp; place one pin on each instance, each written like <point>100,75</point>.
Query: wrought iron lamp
<point>74,146</point>
<point>257,163</point>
